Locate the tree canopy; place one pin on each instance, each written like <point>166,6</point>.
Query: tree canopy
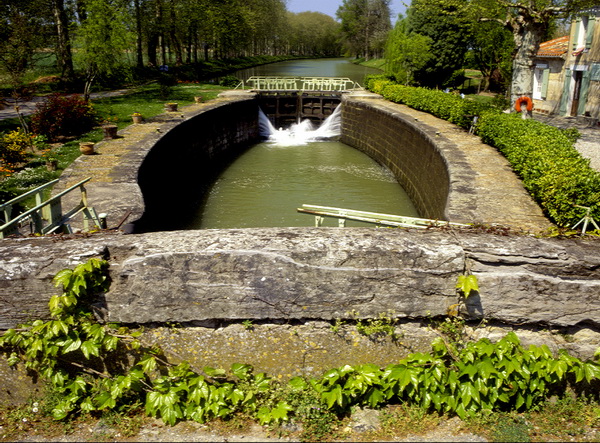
<point>446,25</point>
<point>364,26</point>
<point>106,35</point>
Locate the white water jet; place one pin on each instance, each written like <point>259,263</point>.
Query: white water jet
<point>301,133</point>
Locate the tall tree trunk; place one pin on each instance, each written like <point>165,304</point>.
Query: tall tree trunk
<point>63,49</point>
<point>174,38</point>
<point>138,29</point>
<point>528,35</point>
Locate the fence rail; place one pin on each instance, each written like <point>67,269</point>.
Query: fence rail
<point>47,216</point>
<point>273,83</point>
<point>320,212</point>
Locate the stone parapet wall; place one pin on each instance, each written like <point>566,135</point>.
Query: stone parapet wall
<point>297,274</point>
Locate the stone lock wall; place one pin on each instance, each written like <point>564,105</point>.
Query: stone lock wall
<point>411,152</point>
<point>182,164</point>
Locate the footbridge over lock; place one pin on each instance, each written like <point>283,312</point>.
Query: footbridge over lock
<point>287,100</point>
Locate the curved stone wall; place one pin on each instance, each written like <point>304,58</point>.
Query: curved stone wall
<point>448,173</point>
<point>180,167</point>
<point>411,152</point>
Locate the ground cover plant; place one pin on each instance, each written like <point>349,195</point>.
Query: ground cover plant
<point>95,369</point>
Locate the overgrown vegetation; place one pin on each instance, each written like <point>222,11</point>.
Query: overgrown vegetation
<point>63,116</point>
<point>23,156</point>
<point>552,170</point>
<point>95,368</point>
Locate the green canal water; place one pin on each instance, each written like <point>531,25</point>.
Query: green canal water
<point>265,185</point>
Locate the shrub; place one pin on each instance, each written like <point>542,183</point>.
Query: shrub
<point>63,115</point>
<point>552,170</point>
<point>229,81</point>
<point>13,150</point>
<point>446,106</point>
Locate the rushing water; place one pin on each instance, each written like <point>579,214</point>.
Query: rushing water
<point>299,165</point>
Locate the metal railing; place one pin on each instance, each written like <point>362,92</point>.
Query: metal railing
<point>320,212</point>
<point>47,216</point>
<point>273,83</point>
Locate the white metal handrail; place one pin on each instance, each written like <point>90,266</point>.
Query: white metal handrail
<point>49,210</point>
<point>274,83</point>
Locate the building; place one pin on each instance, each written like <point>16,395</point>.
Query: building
<point>567,70</point>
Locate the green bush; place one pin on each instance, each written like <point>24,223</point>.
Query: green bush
<point>552,170</point>
<point>229,81</point>
<point>444,105</point>
<point>63,115</point>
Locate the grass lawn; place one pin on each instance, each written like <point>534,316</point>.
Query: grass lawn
<point>148,100</point>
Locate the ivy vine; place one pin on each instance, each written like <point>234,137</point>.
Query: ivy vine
<point>101,367</point>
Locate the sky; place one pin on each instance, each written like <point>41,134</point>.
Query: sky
<point>330,7</point>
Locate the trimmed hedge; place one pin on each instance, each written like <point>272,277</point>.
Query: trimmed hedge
<point>552,170</point>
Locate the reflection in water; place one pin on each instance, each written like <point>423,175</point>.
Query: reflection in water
<point>266,184</point>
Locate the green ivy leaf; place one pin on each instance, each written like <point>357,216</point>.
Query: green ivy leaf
<point>71,345</point>
<point>264,415</point>
<point>105,401</point>
<point>332,397</point>
<point>298,383</point>
<point>280,412</point>
<point>148,364</point>
<point>591,371</point>
<point>89,348</point>
<point>215,373</point>
<point>60,412</point>
<point>63,278</point>
<point>467,284</point>
<point>375,397</point>
<point>241,371</point>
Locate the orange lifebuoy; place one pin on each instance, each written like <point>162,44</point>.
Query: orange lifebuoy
<point>521,100</point>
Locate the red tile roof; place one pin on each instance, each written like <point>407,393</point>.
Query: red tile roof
<point>554,48</point>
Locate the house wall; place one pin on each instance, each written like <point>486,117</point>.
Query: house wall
<point>551,103</point>
<point>584,63</point>
<point>593,58</point>
<point>561,80</point>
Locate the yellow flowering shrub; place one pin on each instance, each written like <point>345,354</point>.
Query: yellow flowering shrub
<point>13,150</point>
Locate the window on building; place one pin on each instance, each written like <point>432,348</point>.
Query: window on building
<point>584,33</point>
<point>537,83</point>
<point>540,81</point>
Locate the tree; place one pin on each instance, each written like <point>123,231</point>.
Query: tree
<point>445,23</point>
<point>530,23</point>
<point>491,49</point>
<point>314,34</point>
<point>64,56</point>
<point>406,52</point>
<point>19,38</point>
<point>364,25</point>
<point>102,39</point>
